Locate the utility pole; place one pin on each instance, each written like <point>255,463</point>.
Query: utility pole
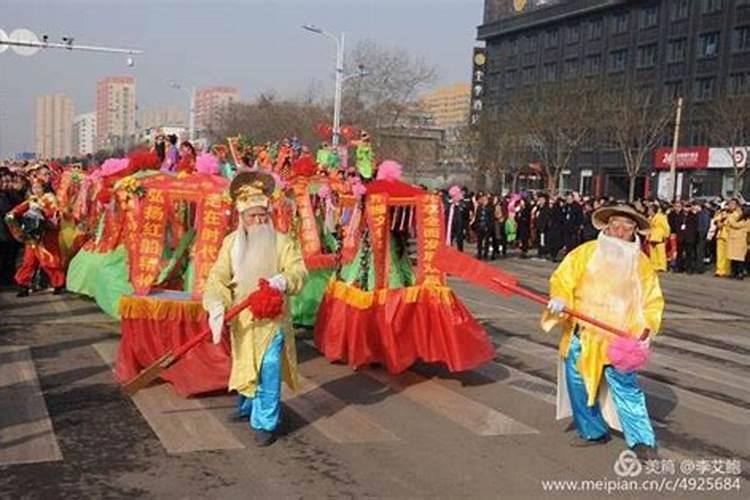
<point>675,143</point>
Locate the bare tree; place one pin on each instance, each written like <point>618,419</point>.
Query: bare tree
<point>390,91</point>
<point>554,121</point>
<point>637,123</point>
<point>269,119</point>
<point>729,117</point>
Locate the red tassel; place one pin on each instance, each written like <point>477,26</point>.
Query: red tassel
<point>266,302</point>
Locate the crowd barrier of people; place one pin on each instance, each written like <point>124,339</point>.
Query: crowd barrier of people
<point>685,236</point>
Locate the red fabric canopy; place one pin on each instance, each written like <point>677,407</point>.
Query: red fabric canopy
<point>393,188</point>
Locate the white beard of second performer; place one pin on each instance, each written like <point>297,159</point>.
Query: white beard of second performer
<point>614,280</point>
<point>253,257</point>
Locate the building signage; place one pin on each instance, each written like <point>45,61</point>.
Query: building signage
<point>478,74</point>
<point>702,157</point>
<point>686,158</point>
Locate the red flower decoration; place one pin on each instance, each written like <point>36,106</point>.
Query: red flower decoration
<point>266,302</point>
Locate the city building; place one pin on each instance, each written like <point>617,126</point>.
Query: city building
<point>170,116</point>
<point>115,112</point>
<point>54,126</point>
<point>210,104</point>
<point>449,105</point>
<point>84,134</point>
<point>695,49</point>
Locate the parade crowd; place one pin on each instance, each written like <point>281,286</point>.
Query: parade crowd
<point>685,236</point>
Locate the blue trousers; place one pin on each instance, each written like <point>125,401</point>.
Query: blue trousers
<point>264,409</point>
<point>626,394</point>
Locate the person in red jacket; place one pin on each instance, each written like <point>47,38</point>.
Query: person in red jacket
<point>35,222</point>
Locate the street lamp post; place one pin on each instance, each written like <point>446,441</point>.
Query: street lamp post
<point>191,92</point>
<point>339,78</point>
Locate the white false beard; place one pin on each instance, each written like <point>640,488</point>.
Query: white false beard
<point>616,267</point>
<point>253,257</point>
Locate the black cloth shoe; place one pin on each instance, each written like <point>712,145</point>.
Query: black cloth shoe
<point>579,442</point>
<point>23,293</point>
<point>59,290</point>
<point>264,438</point>
<point>645,453</point>
<point>236,416</point>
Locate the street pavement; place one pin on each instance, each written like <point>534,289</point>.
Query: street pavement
<point>66,431</point>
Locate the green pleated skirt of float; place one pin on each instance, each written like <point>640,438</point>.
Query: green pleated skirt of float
<point>304,306</point>
<point>400,271</point>
<point>101,276</point>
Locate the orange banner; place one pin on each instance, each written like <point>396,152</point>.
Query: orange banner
<point>377,220</point>
<point>430,232</point>
<point>148,249</point>
<point>211,223</point>
<point>308,230</point>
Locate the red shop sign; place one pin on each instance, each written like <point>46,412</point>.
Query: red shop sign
<point>686,158</point>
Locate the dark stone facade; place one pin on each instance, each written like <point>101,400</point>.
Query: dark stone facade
<point>697,49</point>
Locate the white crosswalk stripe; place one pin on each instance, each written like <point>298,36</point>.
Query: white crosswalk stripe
<point>26,433</point>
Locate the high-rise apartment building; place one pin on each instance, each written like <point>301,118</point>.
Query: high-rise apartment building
<point>210,103</point>
<point>449,105</point>
<point>84,134</point>
<point>170,116</point>
<point>115,112</point>
<point>54,126</point>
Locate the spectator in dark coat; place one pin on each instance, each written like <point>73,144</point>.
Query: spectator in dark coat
<point>523,225</point>
<point>703,216</point>
<point>542,212</point>
<point>555,230</point>
<point>686,225</point>
<point>484,225</point>
<point>573,225</point>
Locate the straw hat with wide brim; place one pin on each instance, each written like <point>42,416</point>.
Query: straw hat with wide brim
<point>601,216</point>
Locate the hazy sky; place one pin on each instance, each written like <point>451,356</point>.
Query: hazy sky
<point>256,45</point>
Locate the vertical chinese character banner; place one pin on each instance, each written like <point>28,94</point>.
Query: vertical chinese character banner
<point>212,219</point>
<point>377,220</point>
<point>478,75</point>
<point>149,247</point>
<point>308,231</point>
<point>431,234</point>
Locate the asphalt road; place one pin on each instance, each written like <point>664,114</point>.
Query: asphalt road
<point>66,431</point>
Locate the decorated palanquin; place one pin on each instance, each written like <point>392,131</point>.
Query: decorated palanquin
<point>100,209</point>
<point>321,202</point>
<point>379,309</point>
<point>175,230</point>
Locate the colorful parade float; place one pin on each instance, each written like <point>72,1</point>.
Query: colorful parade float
<point>177,226</point>
<point>379,309</point>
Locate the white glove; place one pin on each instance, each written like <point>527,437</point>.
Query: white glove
<point>216,322</point>
<point>556,306</point>
<point>278,282</point>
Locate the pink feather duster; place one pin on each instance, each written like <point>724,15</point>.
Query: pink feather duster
<point>207,164</point>
<point>456,193</point>
<point>113,166</point>
<point>627,354</point>
<point>359,189</point>
<point>390,170</point>
<point>324,191</point>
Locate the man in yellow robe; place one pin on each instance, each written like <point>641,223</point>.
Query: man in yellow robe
<point>611,280</point>
<point>263,350</point>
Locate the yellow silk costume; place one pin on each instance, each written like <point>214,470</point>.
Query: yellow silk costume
<point>250,338</point>
<point>723,264</point>
<point>657,238</point>
<point>580,291</point>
